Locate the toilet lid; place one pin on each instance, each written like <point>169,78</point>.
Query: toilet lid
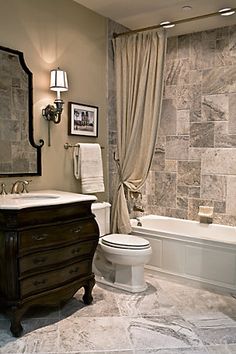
<point>125,241</point>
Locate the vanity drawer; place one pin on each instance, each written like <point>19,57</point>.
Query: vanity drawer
<point>37,260</point>
<point>49,280</point>
<point>57,234</point>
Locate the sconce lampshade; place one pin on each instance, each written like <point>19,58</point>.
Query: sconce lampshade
<point>58,80</point>
<point>52,113</point>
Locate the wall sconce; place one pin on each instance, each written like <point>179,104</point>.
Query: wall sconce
<point>51,113</point>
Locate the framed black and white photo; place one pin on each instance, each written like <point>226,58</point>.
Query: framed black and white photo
<point>83,119</point>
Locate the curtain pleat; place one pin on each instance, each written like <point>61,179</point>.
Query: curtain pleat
<point>139,71</point>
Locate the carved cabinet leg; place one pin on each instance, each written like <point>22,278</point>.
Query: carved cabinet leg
<point>16,327</point>
<point>87,298</point>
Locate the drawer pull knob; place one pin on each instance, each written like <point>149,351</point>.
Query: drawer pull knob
<point>39,237</point>
<point>39,260</point>
<point>76,231</point>
<point>72,271</point>
<point>75,250</point>
<point>39,282</point>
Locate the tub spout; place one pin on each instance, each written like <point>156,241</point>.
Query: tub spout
<point>139,221</point>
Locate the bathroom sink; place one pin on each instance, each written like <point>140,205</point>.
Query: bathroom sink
<point>36,196</point>
<point>41,198</point>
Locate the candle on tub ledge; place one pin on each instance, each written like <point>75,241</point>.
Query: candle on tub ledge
<point>206,214</point>
<point>205,211</point>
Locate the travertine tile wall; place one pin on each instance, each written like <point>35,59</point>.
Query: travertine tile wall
<point>195,158</point>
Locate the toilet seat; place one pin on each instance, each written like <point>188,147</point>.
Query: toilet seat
<point>124,241</point>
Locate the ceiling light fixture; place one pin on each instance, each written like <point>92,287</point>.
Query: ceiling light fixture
<point>226,11</point>
<point>187,8</point>
<point>167,24</point>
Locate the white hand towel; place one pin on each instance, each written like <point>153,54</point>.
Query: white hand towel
<point>88,167</point>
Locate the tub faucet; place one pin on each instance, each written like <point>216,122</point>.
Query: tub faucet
<point>138,208</point>
<point>139,221</point>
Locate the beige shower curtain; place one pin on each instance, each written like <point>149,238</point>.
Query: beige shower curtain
<point>139,62</point>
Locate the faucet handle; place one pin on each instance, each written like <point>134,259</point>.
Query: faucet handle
<point>3,189</point>
<point>25,184</point>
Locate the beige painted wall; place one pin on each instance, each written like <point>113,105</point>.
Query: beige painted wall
<point>54,33</point>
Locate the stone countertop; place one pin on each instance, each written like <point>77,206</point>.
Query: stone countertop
<point>42,198</point>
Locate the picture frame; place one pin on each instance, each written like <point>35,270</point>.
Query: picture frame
<point>83,119</point>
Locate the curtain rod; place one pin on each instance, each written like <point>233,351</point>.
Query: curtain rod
<point>116,35</point>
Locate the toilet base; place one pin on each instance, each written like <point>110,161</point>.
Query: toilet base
<point>129,278</point>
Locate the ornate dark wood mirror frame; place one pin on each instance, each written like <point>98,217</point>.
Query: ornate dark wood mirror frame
<point>27,160</point>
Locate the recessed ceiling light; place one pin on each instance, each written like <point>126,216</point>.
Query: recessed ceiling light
<point>187,8</point>
<point>227,11</point>
<point>167,24</point>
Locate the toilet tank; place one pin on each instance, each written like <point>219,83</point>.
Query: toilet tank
<point>102,213</point>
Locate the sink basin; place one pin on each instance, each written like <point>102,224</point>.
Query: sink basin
<point>41,198</point>
<point>36,196</point>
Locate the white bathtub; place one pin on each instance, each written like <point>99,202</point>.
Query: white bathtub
<point>189,249</point>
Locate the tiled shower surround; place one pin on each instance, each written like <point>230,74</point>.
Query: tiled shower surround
<point>195,159</point>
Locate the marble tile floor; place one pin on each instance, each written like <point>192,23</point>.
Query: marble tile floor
<point>168,318</point>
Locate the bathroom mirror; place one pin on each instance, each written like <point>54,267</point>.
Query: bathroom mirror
<point>19,155</point>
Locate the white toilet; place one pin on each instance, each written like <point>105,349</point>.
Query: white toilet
<point>119,259</point>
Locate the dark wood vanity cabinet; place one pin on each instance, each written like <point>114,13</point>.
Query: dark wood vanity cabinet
<point>46,255</point>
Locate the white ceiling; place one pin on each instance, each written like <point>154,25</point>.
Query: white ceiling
<point>142,13</point>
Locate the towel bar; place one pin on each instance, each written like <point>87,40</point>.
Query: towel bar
<point>67,146</point>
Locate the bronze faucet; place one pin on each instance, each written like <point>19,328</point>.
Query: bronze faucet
<point>3,189</point>
<point>139,223</point>
<point>16,187</point>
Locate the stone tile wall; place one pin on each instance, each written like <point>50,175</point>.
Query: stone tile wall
<point>195,158</point>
